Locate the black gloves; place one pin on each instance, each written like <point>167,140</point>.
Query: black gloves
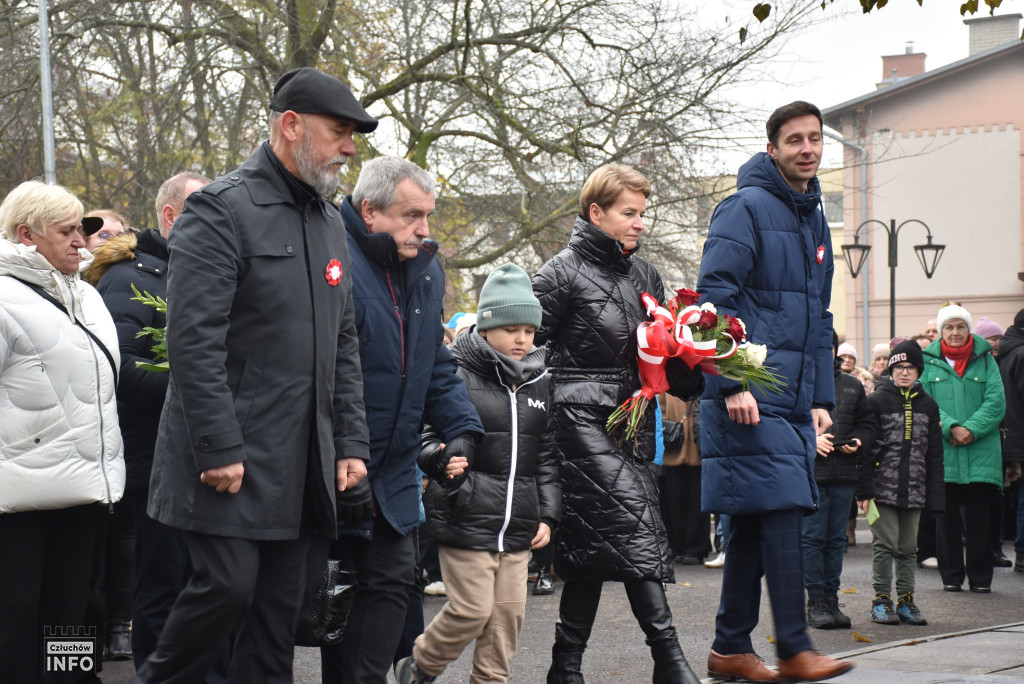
<point>355,504</point>
<point>683,382</point>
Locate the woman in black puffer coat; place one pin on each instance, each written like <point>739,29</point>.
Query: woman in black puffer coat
<point>611,527</point>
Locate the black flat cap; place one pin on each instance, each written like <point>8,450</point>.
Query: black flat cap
<point>310,91</point>
<point>90,224</point>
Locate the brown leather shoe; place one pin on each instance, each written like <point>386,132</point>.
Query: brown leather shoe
<point>744,666</point>
<point>811,666</point>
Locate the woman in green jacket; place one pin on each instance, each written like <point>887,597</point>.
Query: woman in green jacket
<point>962,376</point>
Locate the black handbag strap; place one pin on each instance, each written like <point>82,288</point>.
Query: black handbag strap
<point>50,298</point>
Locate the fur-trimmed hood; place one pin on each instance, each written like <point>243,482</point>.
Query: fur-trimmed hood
<point>114,250</point>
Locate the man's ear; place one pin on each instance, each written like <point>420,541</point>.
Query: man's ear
<point>772,151</point>
<point>368,213</point>
<point>292,126</point>
<point>25,234</point>
<point>168,216</point>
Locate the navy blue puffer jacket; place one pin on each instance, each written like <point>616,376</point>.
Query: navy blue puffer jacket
<point>768,260</point>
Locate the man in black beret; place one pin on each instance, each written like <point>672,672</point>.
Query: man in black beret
<point>263,426</point>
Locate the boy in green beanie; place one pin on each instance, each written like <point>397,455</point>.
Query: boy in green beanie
<point>487,514</point>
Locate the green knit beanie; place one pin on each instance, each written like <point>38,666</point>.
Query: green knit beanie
<point>507,299</point>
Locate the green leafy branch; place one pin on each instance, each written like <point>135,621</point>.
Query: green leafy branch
<point>160,365</point>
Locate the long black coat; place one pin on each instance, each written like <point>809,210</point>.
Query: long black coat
<point>1011,367</point>
<point>264,357</point>
<point>117,265</point>
<point>611,528</point>
<point>512,484</point>
<point>851,418</point>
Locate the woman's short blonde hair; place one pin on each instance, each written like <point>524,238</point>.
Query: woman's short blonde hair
<point>37,205</point>
<point>606,184</point>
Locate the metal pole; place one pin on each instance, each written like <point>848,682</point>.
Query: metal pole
<point>49,158</point>
<point>893,246</point>
<point>864,284</point>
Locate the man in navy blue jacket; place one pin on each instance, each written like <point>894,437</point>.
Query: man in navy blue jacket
<point>768,260</point>
<point>408,377</point>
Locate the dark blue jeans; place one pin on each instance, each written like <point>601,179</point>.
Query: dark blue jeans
<point>825,539</point>
<point>1018,544</point>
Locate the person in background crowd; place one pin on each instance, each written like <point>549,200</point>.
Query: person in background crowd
<point>611,528</point>
<point>1011,368</point>
<point>963,378</point>
<point>865,377</point>
<point>262,433</point>
<point>835,471</point>
<point>147,561</point>
<point>113,225</point>
<point>758,451</point>
<point>485,544</point>
<point>847,357</point>
<point>879,359</point>
<point>689,529</point>
<point>931,329</point>
<point>903,474</point>
<point>990,330</point>
<point>922,340</point>
<point>409,377</point>
<point>993,334</point>
<point>62,467</point>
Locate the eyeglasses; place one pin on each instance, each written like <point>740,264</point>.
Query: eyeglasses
<point>900,368</point>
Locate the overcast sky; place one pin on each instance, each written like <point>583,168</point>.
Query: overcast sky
<point>840,59</point>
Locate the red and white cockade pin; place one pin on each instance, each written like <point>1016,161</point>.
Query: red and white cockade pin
<point>819,255</point>
<point>333,272</point>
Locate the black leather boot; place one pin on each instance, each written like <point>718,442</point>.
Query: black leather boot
<point>576,614</point>
<point>650,606</point>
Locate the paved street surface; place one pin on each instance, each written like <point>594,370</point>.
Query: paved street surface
<point>970,638</point>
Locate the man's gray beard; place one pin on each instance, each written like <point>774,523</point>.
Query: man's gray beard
<point>318,175</point>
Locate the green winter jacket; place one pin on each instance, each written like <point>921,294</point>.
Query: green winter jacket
<point>976,402</point>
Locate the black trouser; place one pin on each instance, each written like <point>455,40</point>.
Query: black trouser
<point>46,560</point>
<point>386,568</point>
<point>976,498</point>
<point>254,585</point>
<point>689,530</point>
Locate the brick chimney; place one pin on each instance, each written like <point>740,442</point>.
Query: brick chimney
<point>900,67</point>
<point>989,32</point>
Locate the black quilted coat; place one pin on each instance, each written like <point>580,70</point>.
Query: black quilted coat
<point>611,527</point>
<point>851,418</point>
<point>512,483</point>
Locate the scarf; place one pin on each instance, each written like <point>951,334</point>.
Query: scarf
<point>959,355</point>
<point>475,348</point>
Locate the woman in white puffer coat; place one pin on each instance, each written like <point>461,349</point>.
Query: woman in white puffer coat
<point>61,462</point>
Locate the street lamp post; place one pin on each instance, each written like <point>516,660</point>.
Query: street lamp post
<point>928,256</point>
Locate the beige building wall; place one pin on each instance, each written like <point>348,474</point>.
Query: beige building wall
<point>948,152</point>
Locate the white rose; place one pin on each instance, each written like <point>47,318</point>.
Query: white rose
<point>755,354</point>
<point>708,306</point>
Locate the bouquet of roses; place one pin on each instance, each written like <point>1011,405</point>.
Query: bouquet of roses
<point>698,336</point>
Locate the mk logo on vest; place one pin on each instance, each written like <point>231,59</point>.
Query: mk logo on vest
<point>535,403</point>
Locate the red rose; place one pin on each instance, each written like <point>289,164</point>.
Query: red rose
<point>686,297</point>
<point>734,328</point>
<point>708,320</point>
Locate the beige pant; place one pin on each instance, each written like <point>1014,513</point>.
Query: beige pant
<point>486,602</point>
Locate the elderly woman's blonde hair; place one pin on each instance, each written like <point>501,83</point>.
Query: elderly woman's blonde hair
<point>37,205</point>
<point>607,182</point>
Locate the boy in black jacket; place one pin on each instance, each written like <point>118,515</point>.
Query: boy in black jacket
<point>904,476</point>
<point>487,514</point>
<point>835,470</point>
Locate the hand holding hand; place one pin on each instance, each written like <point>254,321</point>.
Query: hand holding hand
<point>960,436</point>
<point>225,478</point>
<point>456,466</point>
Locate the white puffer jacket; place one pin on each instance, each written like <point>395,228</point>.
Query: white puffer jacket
<point>60,444</point>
